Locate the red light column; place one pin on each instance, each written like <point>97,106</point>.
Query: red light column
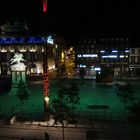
<point>45,78</point>
<point>45,68</point>
<point>44,6</point>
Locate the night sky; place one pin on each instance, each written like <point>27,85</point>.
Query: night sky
<point>71,18</point>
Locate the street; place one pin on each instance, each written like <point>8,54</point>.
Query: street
<point>38,133</point>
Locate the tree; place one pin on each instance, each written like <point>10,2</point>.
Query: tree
<point>22,93</point>
<point>134,110</point>
<point>64,105</point>
<point>126,95</point>
<point>70,61</point>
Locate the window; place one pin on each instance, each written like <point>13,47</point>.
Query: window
<point>133,59</point>
<point>139,59</point>
<point>33,57</point>
<point>3,58</point>
<point>133,51</point>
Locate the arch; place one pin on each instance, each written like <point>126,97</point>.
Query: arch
<point>33,69</point>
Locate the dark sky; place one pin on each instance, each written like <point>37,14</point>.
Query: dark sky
<point>76,17</point>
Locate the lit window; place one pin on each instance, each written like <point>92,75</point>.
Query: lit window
<point>3,50</point>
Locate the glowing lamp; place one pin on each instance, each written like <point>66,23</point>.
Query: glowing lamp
<point>46,98</point>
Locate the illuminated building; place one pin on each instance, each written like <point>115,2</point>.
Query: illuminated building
<point>134,61</point>
<point>94,55</point>
<point>16,38</point>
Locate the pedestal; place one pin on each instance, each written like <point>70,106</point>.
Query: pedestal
<point>16,77</point>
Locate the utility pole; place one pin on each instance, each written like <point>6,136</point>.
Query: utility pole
<point>45,78</point>
<point>62,111</point>
<point>45,69</point>
<point>47,42</point>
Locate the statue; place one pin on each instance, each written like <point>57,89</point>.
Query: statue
<point>17,62</point>
<point>18,69</point>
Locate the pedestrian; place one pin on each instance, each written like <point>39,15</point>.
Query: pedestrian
<point>46,136</point>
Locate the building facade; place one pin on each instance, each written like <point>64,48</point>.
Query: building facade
<point>16,38</point>
<point>97,55</point>
<point>134,62</point>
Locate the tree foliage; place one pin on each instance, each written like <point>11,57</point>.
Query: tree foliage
<point>64,105</point>
<point>134,112</point>
<point>22,93</point>
<point>126,95</point>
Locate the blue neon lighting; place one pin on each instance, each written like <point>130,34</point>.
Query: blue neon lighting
<point>109,56</point>
<point>87,55</point>
<point>105,56</point>
<point>26,40</point>
<point>112,56</point>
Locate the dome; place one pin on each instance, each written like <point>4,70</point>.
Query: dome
<point>15,29</point>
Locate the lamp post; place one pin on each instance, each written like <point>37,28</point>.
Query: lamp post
<point>45,79</point>
<point>62,112</point>
<point>45,74</point>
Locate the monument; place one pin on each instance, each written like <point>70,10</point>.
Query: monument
<point>18,70</point>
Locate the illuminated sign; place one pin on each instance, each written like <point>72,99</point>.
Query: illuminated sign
<point>121,56</point>
<point>114,51</point>
<point>79,55</point>
<point>104,56</point>
<point>112,56</point>
<point>102,51</point>
<point>109,56</point>
<point>126,50</point>
<point>87,55</point>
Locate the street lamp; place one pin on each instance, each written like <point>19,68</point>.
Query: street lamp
<point>47,41</point>
<point>46,100</point>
